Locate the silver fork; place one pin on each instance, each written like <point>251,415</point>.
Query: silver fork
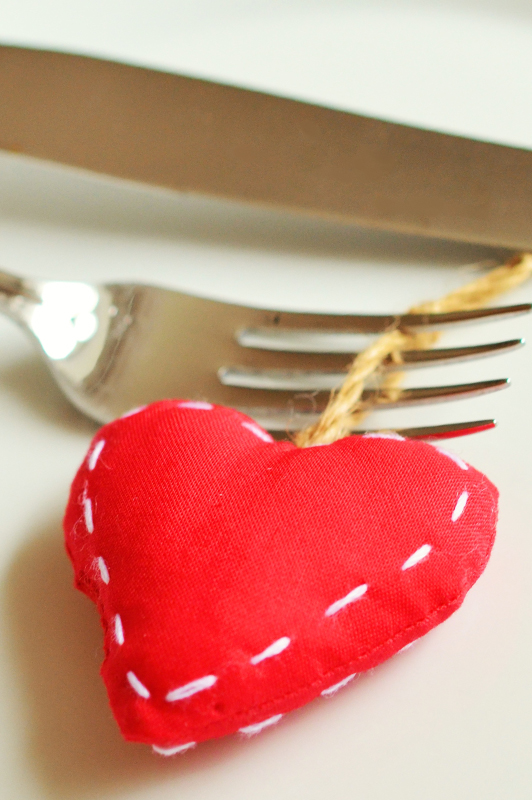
<point>114,347</point>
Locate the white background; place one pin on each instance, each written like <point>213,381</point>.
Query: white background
<point>450,717</point>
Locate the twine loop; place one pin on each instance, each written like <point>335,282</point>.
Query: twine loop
<point>345,409</point>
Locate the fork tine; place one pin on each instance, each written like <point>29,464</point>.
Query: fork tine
<point>431,394</point>
<point>282,422</point>
<point>451,431</point>
<point>292,415</point>
<point>329,333</point>
<point>305,380</point>
<point>298,327</point>
<point>460,317</point>
<point>291,380</point>
<point>447,355</point>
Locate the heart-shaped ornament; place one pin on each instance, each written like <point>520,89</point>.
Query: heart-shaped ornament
<point>238,578</point>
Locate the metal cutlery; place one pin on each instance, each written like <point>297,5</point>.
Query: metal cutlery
<point>199,136</point>
<point>117,346</point>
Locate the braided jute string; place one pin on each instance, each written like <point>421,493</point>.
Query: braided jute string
<point>346,410</point>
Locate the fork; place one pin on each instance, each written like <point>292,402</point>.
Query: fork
<point>114,347</point>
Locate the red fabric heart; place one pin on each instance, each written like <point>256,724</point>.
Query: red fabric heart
<point>238,578</point>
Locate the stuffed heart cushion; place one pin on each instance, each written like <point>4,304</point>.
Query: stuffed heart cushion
<point>238,578</point>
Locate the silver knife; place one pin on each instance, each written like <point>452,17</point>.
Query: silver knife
<point>199,136</point>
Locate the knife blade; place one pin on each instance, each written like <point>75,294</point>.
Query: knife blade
<point>199,136</point>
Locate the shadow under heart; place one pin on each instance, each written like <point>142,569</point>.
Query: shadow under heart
<point>74,745</point>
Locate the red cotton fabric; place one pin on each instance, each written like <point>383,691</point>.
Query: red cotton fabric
<point>237,578</point>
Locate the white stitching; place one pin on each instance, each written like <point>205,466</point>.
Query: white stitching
<point>137,686</point>
<point>171,751</point>
<point>251,730</point>
<point>104,572</point>
<point>119,630</point>
<point>460,506</point>
<point>94,456</point>
<point>334,688</point>
<point>418,556</point>
<point>191,688</point>
<point>407,646</point>
<point>257,431</point>
<point>273,650</point>
<point>384,435</point>
<point>133,411</point>
<point>458,461</point>
<point>356,594</point>
<point>197,404</point>
<point>87,512</point>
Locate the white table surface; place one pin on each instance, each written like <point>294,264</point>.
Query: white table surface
<point>452,716</point>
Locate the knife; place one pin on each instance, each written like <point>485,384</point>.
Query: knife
<point>199,136</point>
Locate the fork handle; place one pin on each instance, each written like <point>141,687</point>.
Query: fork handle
<point>10,285</point>
<point>17,298</point>
<point>195,135</point>
<point>13,286</point>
